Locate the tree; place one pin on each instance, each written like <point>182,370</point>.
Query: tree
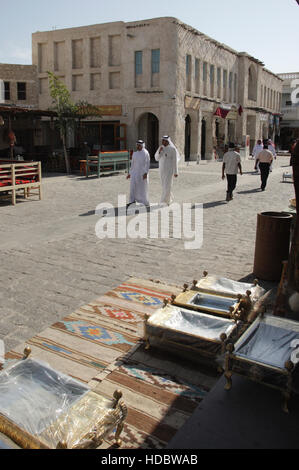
<point>67,112</point>
<point>64,108</point>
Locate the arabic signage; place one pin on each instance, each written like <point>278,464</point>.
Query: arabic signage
<point>112,110</point>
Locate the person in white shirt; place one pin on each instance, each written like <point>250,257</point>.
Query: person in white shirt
<point>256,150</point>
<point>168,157</point>
<point>139,175</point>
<point>265,159</point>
<point>230,166</point>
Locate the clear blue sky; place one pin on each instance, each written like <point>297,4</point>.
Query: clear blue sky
<point>266,29</point>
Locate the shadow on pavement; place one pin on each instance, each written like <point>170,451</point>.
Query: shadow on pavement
<point>249,191</point>
<point>122,211</point>
<point>207,205</point>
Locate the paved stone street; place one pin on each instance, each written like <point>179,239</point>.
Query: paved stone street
<point>52,262</point>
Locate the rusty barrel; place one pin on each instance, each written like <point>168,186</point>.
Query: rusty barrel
<point>272,244</point>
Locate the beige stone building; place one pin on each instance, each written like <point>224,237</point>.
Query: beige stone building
<point>19,85</point>
<point>18,91</point>
<point>157,77</point>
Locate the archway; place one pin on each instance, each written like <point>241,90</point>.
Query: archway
<point>148,130</point>
<point>187,137</point>
<point>203,139</point>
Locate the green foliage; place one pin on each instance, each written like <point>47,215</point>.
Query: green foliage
<point>61,96</point>
<point>67,111</point>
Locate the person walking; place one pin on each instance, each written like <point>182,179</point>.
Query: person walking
<point>168,157</point>
<point>230,166</point>
<point>292,150</point>
<point>265,159</point>
<point>256,150</point>
<point>139,175</point>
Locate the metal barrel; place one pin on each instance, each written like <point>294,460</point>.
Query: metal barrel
<point>272,244</point>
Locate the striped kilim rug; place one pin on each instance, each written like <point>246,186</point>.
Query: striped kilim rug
<point>100,345</point>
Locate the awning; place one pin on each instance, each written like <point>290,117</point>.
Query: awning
<point>223,112</point>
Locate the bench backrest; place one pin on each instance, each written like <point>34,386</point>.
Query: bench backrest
<point>20,171</point>
<point>114,157</point>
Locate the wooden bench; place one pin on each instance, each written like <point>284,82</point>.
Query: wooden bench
<point>107,162</point>
<point>23,176</point>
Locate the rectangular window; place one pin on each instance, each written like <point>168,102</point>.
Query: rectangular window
<point>265,96</point>
<point>77,82</point>
<point>115,50</point>
<point>212,79</point>
<point>138,63</point>
<point>196,73</point>
<point>188,64</point>
<point>212,72</point>
<point>59,56</point>
<point>95,52</point>
<point>218,82</point>
<point>95,81</point>
<point>204,71</point>
<point>235,88</point>
<point>156,61</point>
<point>21,91</point>
<point>188,72</point>
<point>6,91</point>
<point>114,80</point>
<point>230,86</point>
<point>77,53</point>
<point>42,57</point>
<point>43,85</point>
<point>224,84</point>
<point>204,77</point>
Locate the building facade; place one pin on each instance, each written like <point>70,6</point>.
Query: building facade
<point>289,109</point>
<point>160,76</point>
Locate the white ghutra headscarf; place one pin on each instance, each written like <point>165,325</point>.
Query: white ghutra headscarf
<point>166,137</point>
<point>141,142</point>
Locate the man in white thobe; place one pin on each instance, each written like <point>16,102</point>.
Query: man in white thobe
<point>139,175</point>
<point>167,155</point>
<point>256,150</point>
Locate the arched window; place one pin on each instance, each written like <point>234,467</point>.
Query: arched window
<point>252,83</point>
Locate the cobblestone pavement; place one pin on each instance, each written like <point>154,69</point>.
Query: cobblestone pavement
<point>52,262</point>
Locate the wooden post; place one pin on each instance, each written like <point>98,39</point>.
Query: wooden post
<point>40,179</point>
<point>13,184</point>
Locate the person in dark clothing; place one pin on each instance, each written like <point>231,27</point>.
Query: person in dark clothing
<point>292,150</point>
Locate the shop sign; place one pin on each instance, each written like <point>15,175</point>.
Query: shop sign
<point>192,103</point>
<point>112,110</point>
<point>264,117</point>
<point>233,114</point>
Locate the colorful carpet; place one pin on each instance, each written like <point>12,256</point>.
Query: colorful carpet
<point>100,344</point>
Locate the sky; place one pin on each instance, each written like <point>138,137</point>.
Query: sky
<point>266,29</point>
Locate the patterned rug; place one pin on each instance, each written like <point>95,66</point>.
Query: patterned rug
<point>100,344</point>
